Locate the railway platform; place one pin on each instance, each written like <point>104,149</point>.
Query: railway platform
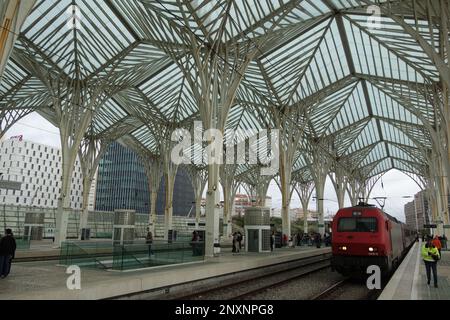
<point>410,281</point>
<point>45,280</point>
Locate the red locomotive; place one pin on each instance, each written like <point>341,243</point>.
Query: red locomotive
<point>365,235</point>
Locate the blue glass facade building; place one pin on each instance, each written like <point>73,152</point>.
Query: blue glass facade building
<point>122,184</point>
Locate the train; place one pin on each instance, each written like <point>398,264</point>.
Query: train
<point>364,236</point>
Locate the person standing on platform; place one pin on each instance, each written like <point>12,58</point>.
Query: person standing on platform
<point>7,253</point>
<point>194,243</point>
<point>444,242</point>
<point>318,241</point>
<point>437,244</point>
<point>239,241</point>
<point>430,256</point>
<point>272,241</point>
<point>149,242</point>
<point>234,242</point>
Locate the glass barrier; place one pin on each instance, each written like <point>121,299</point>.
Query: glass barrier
<point>22,243</point>
<point>105,255</point>
<point>87,255</point>
<point>137,256</point>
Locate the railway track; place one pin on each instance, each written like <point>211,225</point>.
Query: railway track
<point>347,289</point>
<point>248,288</point>
<point>324,295</point>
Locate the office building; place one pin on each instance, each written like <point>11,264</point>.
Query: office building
<point>38,168</point>
<point>122,184</point>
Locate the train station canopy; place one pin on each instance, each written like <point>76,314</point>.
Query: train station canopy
<point>364,81</point>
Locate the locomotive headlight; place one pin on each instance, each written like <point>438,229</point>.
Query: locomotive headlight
<point>344,248</point>
<point>372,249</point>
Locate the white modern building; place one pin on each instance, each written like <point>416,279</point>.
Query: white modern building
<point>38,168</point>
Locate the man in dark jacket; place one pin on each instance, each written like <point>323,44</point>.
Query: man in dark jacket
<point>7,253</point>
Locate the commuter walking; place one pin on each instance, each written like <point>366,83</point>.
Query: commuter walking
<point>430,256</point>
<point>437,244</point>
<point>7,253</point>
<point>149,242</point>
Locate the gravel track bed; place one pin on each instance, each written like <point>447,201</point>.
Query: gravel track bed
<point>231,292</point>
<point>301,289</point>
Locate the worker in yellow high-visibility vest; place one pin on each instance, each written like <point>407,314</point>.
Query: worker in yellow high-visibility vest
<point>430,255</point>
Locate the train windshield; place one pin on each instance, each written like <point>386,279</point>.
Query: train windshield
<point>358,225</point>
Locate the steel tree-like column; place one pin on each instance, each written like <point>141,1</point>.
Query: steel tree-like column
<point>12,16</point>
<point>354,187</point>
<point>230,187</point>
<point>170,173</point>
<point>319,163</point>
<point>291,132</point>
<point>218,78</point>
<point>199,178</point>
<point>89,154</point>
<point>304,191</point>
<point>153,167</point>
<point>445,52</point>
<point>339,182</point>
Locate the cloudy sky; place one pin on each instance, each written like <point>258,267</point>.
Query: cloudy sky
<point>394,185</point>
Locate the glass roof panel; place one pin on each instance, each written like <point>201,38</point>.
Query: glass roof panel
<point>393,134</point>
<point>322,114</point>
<point>373,58</point>
<point>109,114</point>
<point>326,67</point>
<point>98,37</point>
<point>393,36</point>
<point>378,153</point>
<point>396,152</point>
<point>367,137</point>
<point>354,110</point>
<point>384,106</point>
<point>12,77</point>
<point>287,65</point>
<point>382,167</point>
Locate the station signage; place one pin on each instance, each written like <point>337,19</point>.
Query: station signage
<point>430,226</point>
<point>20,138</point>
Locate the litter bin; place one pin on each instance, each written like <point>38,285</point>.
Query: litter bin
<point>85,234</point>
<point>172,236</point>
<point>216,248</point>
